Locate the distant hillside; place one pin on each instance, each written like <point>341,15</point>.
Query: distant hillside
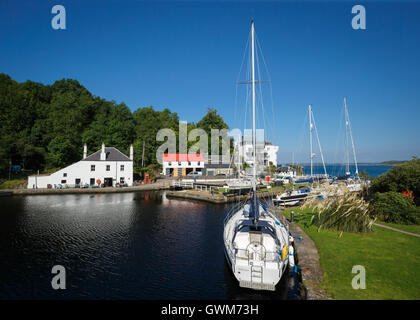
<point>391,163</point>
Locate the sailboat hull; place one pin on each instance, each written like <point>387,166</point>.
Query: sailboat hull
<point>256,265</point>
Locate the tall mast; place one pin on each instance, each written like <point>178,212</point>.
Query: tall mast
<point>254,140</point>
<point>351,136</point>
<point>319,145</point>
<point>310,136</point>
<point>347,139</point>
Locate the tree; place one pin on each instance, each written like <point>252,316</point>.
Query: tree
<point>213,121</point>
<point>405,177</point>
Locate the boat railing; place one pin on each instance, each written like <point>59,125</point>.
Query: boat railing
<point>232,211</point>
<point>266,256</point>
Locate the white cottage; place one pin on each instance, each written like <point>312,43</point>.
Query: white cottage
<point>106,166</point>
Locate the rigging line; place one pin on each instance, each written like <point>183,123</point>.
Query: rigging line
<point>338,160</point>
<point>302,136</point>
<point>269,79</point>
<point>239,74</point>
<point>260,94</point>
<point>259,51</point>
<point>352,142</point>
<point>319,144</point>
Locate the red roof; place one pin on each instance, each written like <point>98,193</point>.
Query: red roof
<point>182,157</point>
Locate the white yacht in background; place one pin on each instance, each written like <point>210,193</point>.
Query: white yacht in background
<point>256,243</point>
<point>353,184</point>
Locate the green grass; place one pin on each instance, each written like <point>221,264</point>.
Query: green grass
<point>391,260</point>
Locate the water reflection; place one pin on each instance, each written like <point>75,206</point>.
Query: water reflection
<point>118,246</point>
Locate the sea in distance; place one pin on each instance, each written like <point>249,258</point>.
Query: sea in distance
<point>340,169</point>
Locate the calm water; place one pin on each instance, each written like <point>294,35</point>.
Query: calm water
<point>118,246</point>
<point>339,170</point>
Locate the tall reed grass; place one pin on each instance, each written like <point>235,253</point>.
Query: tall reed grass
<point>347,212</point>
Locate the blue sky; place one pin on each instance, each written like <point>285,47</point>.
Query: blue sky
<point>186,56</point>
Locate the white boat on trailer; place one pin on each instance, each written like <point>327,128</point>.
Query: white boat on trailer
<point>256,243</point>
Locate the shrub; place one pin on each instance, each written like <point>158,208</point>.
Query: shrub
<point>12,184</point>
<point>394,207</point>
<point>348,212</point>
<point>400,178</point>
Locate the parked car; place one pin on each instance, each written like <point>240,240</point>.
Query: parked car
<point>195,173</point>
<point>221,175</point>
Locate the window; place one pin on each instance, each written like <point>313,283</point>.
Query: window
<point>198,163</point>
<point>63,181</point>
<point>122,167</point>
<point>179,163</point>
<point>169,163</point>
<point>108,167</point>
<point>122,180</point>
<point>92,167</point>
<point>64,174</point>
<point>189,163</point>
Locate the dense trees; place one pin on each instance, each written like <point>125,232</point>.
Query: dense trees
<point>387,201</point>
<point>405,177</point>
<point>45,126</point>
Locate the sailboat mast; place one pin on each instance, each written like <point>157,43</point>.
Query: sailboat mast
<point>310,136</point>
<point>254,140</point>
<point>254,137</point>
<point>351,136</point>
<point>347,138</point>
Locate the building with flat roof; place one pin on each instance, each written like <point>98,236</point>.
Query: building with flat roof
<point>179,164</point>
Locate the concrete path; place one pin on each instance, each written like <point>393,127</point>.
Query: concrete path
<point>159,185</point>
<point>398,230</point>
<point>308,260</point>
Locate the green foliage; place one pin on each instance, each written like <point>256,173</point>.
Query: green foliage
<point>12,184</point>
<point>400,178</point>
<point>395,208</point>
<point>147,123</point>
<point>213,121</point>
<point>45,126</point>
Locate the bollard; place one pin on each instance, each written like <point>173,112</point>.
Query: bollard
<point>292,216</point>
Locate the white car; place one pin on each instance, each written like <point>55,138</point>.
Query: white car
<point>195,173</point>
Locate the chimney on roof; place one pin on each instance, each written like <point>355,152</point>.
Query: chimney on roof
<point>103,155</point>
<point>84,151</point>
<point>131,152</point>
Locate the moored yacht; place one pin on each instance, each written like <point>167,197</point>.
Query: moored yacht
<point>256,243</point>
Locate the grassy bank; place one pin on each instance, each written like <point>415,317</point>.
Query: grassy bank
<point>12,184</point>
<point>391,260</point>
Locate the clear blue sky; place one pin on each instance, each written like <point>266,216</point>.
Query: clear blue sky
<point>186,56</point>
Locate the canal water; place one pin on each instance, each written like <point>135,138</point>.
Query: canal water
<point>119,246</point>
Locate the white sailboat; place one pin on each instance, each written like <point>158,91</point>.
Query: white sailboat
<point>256,243</point>
<point>294,197</point>
<point>352,184</point>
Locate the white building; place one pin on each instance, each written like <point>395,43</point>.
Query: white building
<point>286,171</point>
<point>178,165</point>
<point>107,166</point>
<point>270,154</point>
<point>266,153</point>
